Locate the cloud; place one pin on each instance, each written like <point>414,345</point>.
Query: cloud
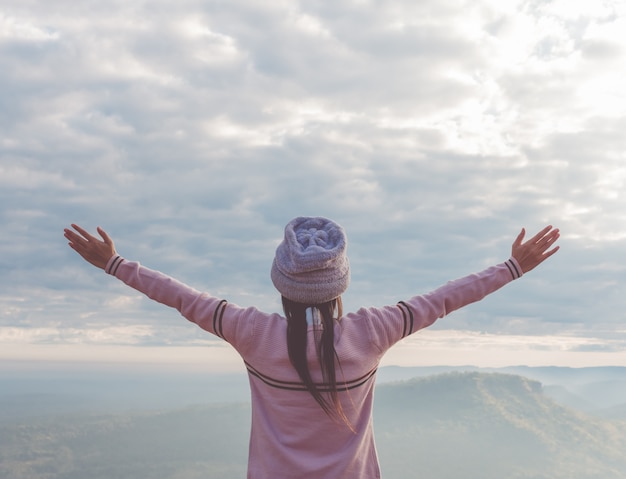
<point>433,131</point>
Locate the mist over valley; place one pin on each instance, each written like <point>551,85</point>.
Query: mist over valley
<point>430,422</point>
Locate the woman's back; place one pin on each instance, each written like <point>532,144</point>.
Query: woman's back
<point>290,431</point>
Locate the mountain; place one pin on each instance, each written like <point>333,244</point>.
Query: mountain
<point>599,390</point>
<point>491,425</point>
<point>208,442</point>
<point>444,426</point>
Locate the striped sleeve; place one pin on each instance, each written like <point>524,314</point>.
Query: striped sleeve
<point>514,268</point>
<point>113,264</point>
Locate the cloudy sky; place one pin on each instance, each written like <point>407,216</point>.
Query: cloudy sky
<point>433,131</point>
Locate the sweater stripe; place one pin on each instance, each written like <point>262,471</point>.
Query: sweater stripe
<point>299,386</point>
<point>403,319</point>
<point>515,273</point>
<point>115,264</point>
<point>218,316</point>
<point>519,273</point>
<point>406,331</point>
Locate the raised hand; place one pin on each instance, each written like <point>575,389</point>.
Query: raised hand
<point>536,250</point>
<point>92,249</point>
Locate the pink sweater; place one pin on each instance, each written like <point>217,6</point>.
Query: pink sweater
<point>291,437</point>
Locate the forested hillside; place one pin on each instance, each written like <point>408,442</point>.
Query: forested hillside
<point>457,425</point>
<point>491,426</point>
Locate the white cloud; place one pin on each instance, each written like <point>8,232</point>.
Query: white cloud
<point>22,177</point>
<point>432,130</point>
<point>15,29</point>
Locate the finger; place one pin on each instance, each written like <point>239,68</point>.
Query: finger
<point>73,237</point>
<point>541,234</point>
<point>520,237</point>
<point>552,251</point>
<point>548,239</point>
<point>78,247</point>
<point>104,236</point>
<point>547,254</point>
<point>83,232</point>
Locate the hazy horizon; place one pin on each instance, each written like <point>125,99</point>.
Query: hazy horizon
<point>179,384</point>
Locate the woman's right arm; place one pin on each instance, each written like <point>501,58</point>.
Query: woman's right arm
<point>200,308</point>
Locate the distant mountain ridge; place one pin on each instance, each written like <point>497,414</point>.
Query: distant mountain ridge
<point>601,390</point>
<point>452,425</point>
<point>495,425</point>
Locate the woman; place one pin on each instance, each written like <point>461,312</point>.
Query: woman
<point>312,371</point>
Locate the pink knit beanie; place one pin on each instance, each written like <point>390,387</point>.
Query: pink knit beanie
<point>311,265</point>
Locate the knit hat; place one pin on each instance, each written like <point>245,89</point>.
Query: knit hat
<point>311,265</point>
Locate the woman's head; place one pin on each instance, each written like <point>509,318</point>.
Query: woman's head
<point>311,265</point>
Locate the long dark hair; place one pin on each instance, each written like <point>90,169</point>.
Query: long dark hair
<point>326,394</point>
